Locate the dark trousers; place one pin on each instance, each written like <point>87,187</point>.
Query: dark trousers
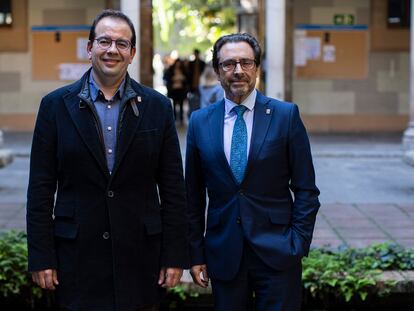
<point>259,287</point>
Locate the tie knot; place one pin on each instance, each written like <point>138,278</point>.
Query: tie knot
<point>239,109</point>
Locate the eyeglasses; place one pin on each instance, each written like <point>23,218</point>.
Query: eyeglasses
<point>106,43</point>
<point>230,64</point>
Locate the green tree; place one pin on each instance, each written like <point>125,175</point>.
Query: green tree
<point>187,24</point>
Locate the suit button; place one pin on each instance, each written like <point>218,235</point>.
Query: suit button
<point>238,220</point>
<point>110,194</point>
<point>106,235</point>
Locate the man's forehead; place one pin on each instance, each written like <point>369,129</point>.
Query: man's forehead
<point>238,48</point>
<point>112,21</point>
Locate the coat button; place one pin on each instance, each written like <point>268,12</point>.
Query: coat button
<point>238,220</point>
<point>110,194</point>
<point>106,235</point>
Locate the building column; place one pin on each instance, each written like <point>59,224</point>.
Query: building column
<point>132,9</point>
<point>408,136</point>
<point>274,58</point>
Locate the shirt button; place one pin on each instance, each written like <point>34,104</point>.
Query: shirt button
<point>110,194</point>
<point>106,235</point>
<point>109,128</point>
<point>238,220</point>
<point>109,106</point>
<point>109,151</point>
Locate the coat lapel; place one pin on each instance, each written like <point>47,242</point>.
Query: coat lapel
<point>87,127</point>
<point>216,125</point>
<point>129,123</point>
<point>261,121</point>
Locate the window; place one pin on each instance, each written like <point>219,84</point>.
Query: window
<point>398,14</point>
<point>5,13</point>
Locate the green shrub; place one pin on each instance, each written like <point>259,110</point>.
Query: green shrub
<point>14,278</point>
<point>349,273</point>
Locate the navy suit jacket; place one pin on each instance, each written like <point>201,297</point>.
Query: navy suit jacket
<point>275,206</point>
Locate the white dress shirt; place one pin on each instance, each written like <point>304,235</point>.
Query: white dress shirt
<point>230,118</point>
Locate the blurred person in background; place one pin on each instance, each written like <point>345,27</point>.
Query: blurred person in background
<point>177,87</point>
<point>210,89</point>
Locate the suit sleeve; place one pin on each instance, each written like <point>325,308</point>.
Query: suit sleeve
<point>174,251</point>
<point>302,184</point>
<point>196,196</point>
<point>41,190</point>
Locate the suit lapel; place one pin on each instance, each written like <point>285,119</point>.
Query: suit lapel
<point>216,125</point>
<point>261,121</point>
<point>87,127</point>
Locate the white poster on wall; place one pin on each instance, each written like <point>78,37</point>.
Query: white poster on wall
<point>329,53</point>
<point>81,45</point>
<point>70,71</point>
<point>300,48</point>
<point>313,48</point>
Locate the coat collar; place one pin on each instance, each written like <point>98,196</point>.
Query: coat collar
<point>81,109</point>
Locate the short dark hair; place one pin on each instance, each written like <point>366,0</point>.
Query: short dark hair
<point>236,37</point>
<point>116,15</point>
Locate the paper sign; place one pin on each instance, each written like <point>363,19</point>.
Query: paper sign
<point>329,54</point>
<point>81,45</point>
<point>68,71</point>
<point>313,48</point>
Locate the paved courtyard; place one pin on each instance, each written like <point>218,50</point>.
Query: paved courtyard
<point>367,192</point>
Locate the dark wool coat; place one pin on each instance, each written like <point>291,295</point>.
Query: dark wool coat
<point>106,234</point>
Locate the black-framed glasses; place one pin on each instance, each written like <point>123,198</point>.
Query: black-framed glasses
<point>245,63</point>
<point>106,43</point>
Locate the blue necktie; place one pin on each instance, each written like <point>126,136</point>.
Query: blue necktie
<point>238,152</point>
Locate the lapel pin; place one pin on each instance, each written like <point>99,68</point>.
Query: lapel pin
<point>268,111</point>
<point>139,99</point>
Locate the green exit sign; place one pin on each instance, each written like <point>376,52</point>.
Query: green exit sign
<point>344,19</point>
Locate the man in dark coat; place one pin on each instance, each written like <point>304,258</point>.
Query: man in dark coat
<point>106,217</point>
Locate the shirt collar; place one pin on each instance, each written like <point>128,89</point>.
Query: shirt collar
<point>94,88</point>
<point>249,102</point>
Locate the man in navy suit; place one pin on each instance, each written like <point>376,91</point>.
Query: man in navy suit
<point>106,218</point>
<point>251,154</point>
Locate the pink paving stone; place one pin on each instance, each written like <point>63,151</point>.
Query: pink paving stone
<point>376,207</point>
<point>330,243</point>
<point>405,233</point>
<point>360,243</point>
<point>320,222</point>
<point>409,208</point>
<point>324,233</point>
<point>408,243</point>
<point>364,233</point>
<point>352,222</point>
<point>394,222</point>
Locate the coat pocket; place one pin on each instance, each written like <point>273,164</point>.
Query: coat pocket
<point>280,217</point>
<point>66,230</point>
<point>153,225</point>
<point>213,220</point>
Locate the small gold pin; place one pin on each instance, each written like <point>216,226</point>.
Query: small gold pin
<point>139,99</point>
<point>268,111</point>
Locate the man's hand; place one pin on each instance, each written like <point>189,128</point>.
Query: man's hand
<point>169,277</point>
<point>46,279</point>
<point>196,272</point>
